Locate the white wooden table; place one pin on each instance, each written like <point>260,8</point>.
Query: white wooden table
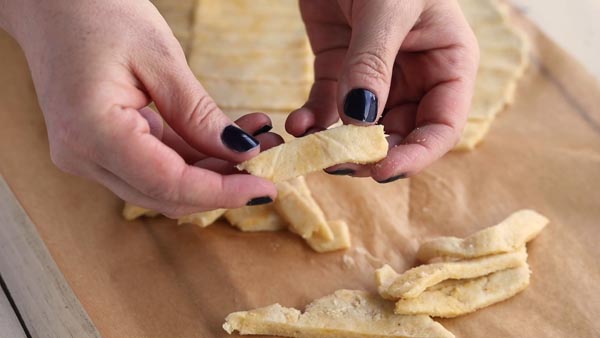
<point>42,297</point>
<point>573,25</point>
<point>9,323</point>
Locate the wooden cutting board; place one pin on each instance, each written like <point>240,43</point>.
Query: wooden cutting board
<point>152,278</point>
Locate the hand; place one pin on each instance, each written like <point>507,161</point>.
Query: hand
<point>96,66</point>
<point>407,64</point>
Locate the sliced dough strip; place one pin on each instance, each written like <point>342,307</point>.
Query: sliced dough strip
<point>202,219</point>
<point>341,238</point>
<point>252,55</point>
<point>502,45</point>
<point>345,314</point>
<point>509,235</point>
<point>255,218</point>
<point>458,297</point>
<point>298,208</point>
<point>318,151</point>
<point>131,212</point>
<point>413,282</point>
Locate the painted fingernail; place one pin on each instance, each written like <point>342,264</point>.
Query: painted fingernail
<point>264,129</point>
<point>238,140</point>
<point>260,200</point>
<point>361,105</point>
<point>393,178</point>
<point>341,172</point>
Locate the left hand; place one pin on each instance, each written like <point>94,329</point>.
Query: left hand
<point>407,64</point>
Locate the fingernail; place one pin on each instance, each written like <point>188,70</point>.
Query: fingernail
<point>341,172</point>
<point>260,200</point>
<point>264,129</point>
<point>238,140</point>
<point>361,105</point>
<point>393,178</point>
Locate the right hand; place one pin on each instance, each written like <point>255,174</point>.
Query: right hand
<point>409,65</point>
<point>96,66</point>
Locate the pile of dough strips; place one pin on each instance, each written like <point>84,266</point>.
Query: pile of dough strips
<point>460,275</point>
<point>295,208</point>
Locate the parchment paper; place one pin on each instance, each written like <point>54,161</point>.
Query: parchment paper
<point>152,278</point>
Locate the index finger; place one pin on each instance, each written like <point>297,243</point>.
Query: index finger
<point>130,152</point>
<point>440,118</point>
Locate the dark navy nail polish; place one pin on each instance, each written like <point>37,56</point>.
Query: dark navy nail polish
<point>264,129</point>
<point>393,178</point>
<point>260,200</point>
<point>361,105</point>
<point>238,140</point>
<point>341,172</point>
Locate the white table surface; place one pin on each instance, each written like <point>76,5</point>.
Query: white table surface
<point>573,24</point>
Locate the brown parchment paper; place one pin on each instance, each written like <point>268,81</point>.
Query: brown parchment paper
<point>150,278</point>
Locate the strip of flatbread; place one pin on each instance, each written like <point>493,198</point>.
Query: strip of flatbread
<point>202,219</point>
<point>413,282</point>
<point>298,208</point>
<point>473,133</point>
<point>131,212</point>
<point>254,95</point>
<point>259,7</point>
<point>504,56</point>
<point>250,16</point>
<point>255,218</point>
<point>341,238</point>
<point>318,151</point>
<point>509,235</point>
<point>345,314</point>
<point>255,68</point>
<point>458,297</point>
<point>253,44</point>
<point>252,54</point>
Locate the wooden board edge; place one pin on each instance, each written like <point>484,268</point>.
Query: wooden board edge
<point>9,322</point>
<point>45,300</point>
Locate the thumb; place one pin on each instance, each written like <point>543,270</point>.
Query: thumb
<point>378,29</point>
<point>190,111</point>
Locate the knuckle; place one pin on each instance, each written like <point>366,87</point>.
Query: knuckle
<point>159,190</point>
<point>62,149</point>
<point>203,112</point>
<point>371,66</point>
<point>132,123</point>
<point>60,160</point>
<point>173,212</point>
<point>455,136</point>
<point>167,187</point>
<point>160,42</point>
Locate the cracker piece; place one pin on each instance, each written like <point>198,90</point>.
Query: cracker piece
<point>344,314</point>
<point>509,235</point>
<point>341,238</point>
<point>202,219</point>
<point>298,208</point>
<point>413,282</point>
<point>131,212</point>
<point>503,58</point>
<point>255,218</point>
<point>318,151</point>
<point>458,297</point>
